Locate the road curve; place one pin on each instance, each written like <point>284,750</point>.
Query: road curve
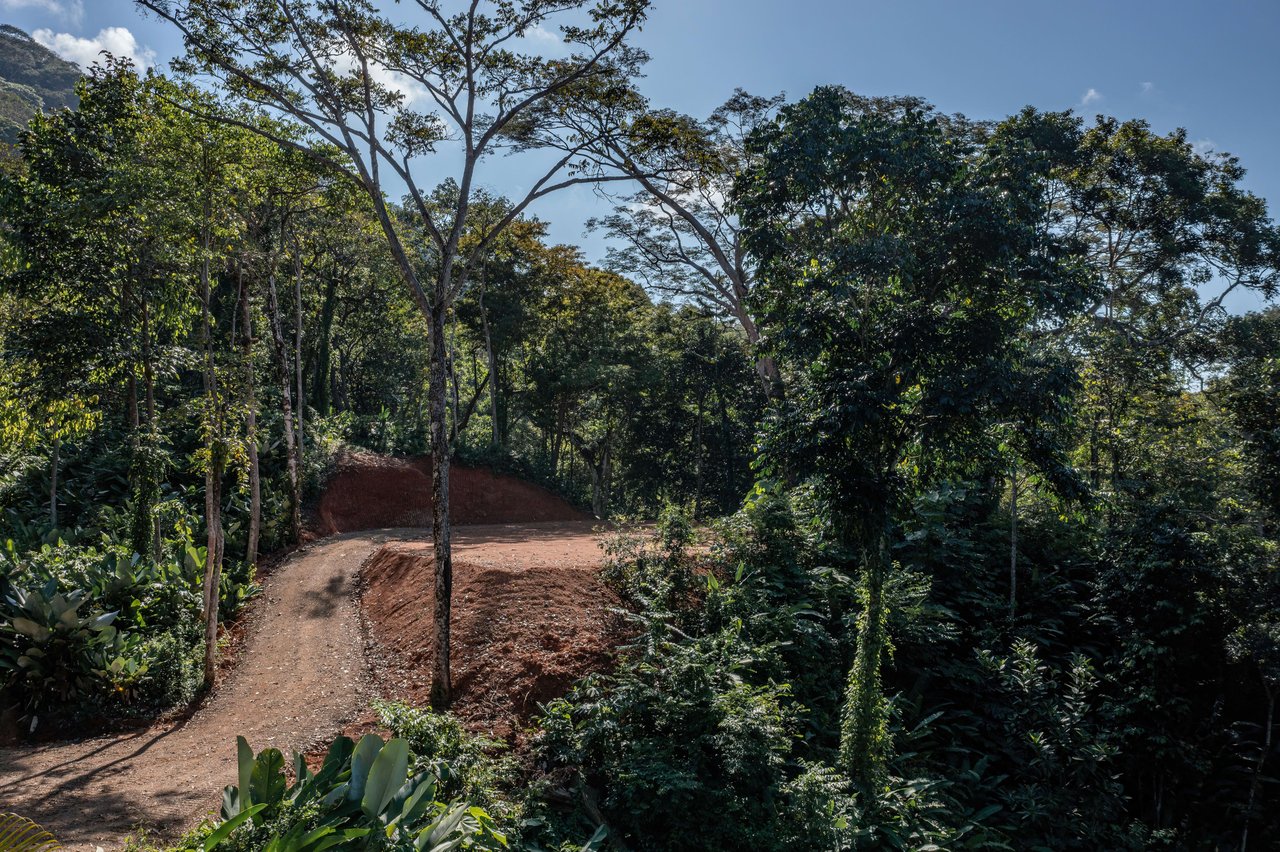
<point>301,677</point>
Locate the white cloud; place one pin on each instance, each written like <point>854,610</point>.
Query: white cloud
<point>541,33</point>
<point>1147,87</point>
<point>1090,97</point>
<point>71,11</point>
<point>539,39</point>
<point>117,41</point>
<point>1205,147</point>
<point>410,89</point>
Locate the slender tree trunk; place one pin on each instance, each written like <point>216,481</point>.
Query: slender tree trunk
<point>1013,543</point>
<point>597,488</point>
<point>286,408</point>
<point>730,457</point>
<point>321,395</point>
<point>148,365</point>
<point>606,474</point>
<point>496,426</point>
<point>453,385</point>
<point>213,560</point>
<point>463,418</point>
<point>1095,476</point>
<point>697,456</point>
<point>149,382</point>
<point>53,483</point>
<point>132,421</point>
<point>597,464</point>
<point>437,401</point>
<point>555,443</point>
<point>250,425</point>
<point>297,348</point>
<point>212,475</point>
<point>131,402</point>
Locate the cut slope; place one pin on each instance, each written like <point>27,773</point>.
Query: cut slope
<point>377,492</point>
<point>530,616</point>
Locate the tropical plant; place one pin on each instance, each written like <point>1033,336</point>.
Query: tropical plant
<point>362,797</point>
<point>19,834</point>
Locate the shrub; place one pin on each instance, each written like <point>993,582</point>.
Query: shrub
<point>365,796</point>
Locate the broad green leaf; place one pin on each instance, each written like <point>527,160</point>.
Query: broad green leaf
<point>223,831</point>
<point>385,777</point>
<point>361,762</point>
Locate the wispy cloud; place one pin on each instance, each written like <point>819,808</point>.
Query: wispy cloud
<point>1147,87</point>
<point>71,11</point>
<point>1090,97</point>
<point>1205,147</point>
<point>539,39</point>
<point>117,41</point>
<point>410,89</point>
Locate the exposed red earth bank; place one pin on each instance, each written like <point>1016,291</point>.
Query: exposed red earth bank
<point>343,620</point>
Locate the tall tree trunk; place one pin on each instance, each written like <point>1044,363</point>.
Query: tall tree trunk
<point>697,456</point>
<point>297,347</point>
<point>492,361</point>
<point>148,365</point>
<point>213,560</point>
<point>321,394</point>
<point>132,421</point>
<point>453,386</point>
<point>596,462</point>
<point>212,474</point>
<point>437,401</point>
<point>131,402</point>
<point>53,483</point>
<point>152,484</point>
<point>250,424</point>
<point>1013,543</point>
<point>730,456</point>
<point>286,407</point>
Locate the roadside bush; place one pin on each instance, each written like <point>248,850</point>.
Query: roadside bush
<point>467,766</point>
<point>83,628</point>
<point>684,752</point>
<point>368,795</point>
<point>54,647</point>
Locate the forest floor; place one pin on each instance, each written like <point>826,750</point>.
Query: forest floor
<point>530,616</point>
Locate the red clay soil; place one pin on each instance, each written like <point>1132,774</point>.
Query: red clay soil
<point>530,616</point>
<point>377,492</point>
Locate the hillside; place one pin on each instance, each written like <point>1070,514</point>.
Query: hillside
<point>32,78</point>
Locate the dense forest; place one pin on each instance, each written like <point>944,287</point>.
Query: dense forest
<point>946,489</point>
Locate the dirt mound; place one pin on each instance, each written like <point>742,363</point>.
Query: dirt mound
<point>376,492</point>
<point>530,616</point>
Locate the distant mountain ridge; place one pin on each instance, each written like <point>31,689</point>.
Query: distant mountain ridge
<point>32,78</point>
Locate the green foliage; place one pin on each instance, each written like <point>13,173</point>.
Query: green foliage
<point>687,754</point>
<point>1005,575</point>
<point>18,834</point>
<point>466,766</point>
<point>49,651</point>
<point>364,796</point>
<point>85,628</point>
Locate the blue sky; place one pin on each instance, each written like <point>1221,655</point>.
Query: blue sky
<point>1211,67</point>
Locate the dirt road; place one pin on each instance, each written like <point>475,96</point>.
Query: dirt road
<point>302,676</point>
